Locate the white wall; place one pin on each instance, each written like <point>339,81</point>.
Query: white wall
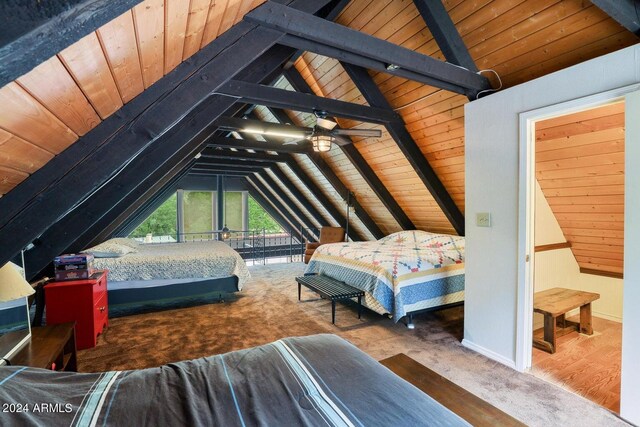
<point>559,268</point>
<point>492,185</point>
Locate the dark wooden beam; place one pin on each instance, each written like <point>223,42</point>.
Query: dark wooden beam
<point>244,144</point>
<point>296,223</point>
<point>273,212</point>
<point>109,130</point>
<point>179,111</point>
<point>34,31</point>
<point>216,173</point>
<point>408,146</point>
<point>333,10</point>
<point>311,186</point>
<point>220,169</point>
<point>104,228</point>
<point>445,33</point>
<point>298,195</point>
<point>232,163</point>
<point>213,153</point>
<point>299,25</point>
<point>275,190</point>
<point>132,220</point>
<point>361,165</point>
<point>625,12</point>
<point>319,195</point>
<point>169,119</point>
<point>280,98</point>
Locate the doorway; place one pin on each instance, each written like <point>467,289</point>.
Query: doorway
<point>630,374</point>
<point>579,251</point>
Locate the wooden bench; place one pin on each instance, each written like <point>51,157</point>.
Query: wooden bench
<point>554,304</point>
<point>332,289</point>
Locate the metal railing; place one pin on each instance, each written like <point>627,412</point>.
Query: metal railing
<point>257,246</point>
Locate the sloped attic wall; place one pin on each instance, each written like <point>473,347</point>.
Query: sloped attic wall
<point>580,168</point>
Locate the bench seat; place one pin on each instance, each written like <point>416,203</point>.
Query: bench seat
<point>331,289</point>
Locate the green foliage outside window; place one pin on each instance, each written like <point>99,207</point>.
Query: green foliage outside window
<point>259,218</point>
<point>160,223</point>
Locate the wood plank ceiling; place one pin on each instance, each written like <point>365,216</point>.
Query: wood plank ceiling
<point>580,168</point>
<point>520,40</point>
<point>46,110</point>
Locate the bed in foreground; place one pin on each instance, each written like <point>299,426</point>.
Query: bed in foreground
<point>316,380</point>
<point>147,276</point>
<point>401,274</point>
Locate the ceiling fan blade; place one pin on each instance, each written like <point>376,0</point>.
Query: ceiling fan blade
<point>369,133</point>
<point>325,123</point>
<point>262,128</point>
<point>341,140</point>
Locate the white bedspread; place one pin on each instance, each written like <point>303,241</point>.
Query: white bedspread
<point>193,260</point>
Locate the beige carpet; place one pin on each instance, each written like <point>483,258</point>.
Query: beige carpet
<point>268,309</point>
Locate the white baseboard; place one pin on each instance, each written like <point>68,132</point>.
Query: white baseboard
<point>489,353</point>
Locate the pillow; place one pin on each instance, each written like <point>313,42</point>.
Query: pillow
<point>110,249</point>
<point>407,236</point>
<point>134,244</point>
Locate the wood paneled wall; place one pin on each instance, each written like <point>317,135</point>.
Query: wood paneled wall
<point>580,168</point>
<point>520,40</point>
<point>46,110</point>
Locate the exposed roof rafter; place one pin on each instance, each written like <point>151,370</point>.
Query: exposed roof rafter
<point>625,12</point>
<point>307,32</point>
<point>408,146</point>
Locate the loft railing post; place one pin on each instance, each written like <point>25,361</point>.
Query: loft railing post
<point>291,245</point>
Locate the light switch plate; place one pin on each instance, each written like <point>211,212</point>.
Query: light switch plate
<point>483,219</point>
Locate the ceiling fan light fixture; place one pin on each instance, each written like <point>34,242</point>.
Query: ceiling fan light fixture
<point>321,143</point>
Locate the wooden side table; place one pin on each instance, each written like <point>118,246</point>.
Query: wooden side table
<point>51,347</point>
<point>554,304</point>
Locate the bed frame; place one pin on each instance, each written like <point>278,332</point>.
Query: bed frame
<point>409,316</point>
<point>458,400</point>
<point>123,302</point>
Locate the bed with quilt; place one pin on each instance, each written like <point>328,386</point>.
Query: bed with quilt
<point>148,276</point>
<point>403,273</point>
<point>315,380</point>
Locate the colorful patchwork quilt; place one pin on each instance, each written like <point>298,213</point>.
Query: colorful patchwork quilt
<point>400,273</point>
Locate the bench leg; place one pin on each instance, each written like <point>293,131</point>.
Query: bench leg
<point>586,326</point>
<point>299,286</point>
<point>550,331</point>
<point>333,311</point>
<point>359,306</point>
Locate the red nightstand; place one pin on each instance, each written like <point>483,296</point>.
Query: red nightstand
<point>80,301</point>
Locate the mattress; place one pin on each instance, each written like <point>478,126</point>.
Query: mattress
<point>400,273</point>
<point>316,380</point>
<point>170,261</point>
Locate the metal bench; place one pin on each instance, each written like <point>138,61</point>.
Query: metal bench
<point>332,289</point>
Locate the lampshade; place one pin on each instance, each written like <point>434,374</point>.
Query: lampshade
<point>12,284</point>
<point>321,142</point>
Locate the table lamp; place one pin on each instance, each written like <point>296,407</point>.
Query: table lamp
<point>12,284</point>
<point>12,287</point>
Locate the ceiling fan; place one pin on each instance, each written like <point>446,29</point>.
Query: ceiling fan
<point>321,136</point>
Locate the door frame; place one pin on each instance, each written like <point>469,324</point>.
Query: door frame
<point>526,207</point>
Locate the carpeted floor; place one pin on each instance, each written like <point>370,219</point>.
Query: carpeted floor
<point>267,309</point>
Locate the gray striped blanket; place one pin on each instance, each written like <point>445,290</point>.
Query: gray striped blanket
<point>316,380</point>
